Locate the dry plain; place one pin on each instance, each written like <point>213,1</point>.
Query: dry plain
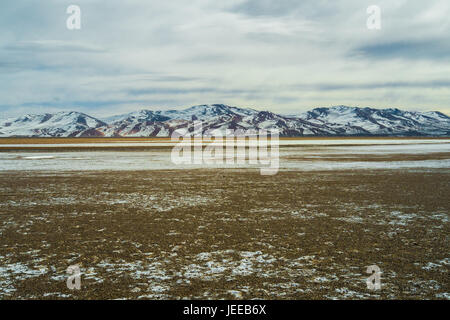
<point>207,233</point>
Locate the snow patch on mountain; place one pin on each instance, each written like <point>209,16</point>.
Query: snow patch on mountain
<point>61,124</point>
<point>338,120</point>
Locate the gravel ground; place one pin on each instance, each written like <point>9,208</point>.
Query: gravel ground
<point>212,234</point>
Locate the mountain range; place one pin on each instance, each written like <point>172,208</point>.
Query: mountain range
<point>329,121</point>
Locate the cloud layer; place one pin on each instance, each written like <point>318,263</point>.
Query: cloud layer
<point>285,55</point>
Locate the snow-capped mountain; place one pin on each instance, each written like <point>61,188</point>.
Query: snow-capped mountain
<point>162,123</point>
<point>355,120</point>
<point>206,112</point>
<point>339,120</point>
<point>61,124</point>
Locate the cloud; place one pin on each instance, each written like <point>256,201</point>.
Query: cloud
<point>434,50</point>
<point>52,46</point>
<point>265,7</point>
<point>286,55</point>
<point>432,84</point>
<point>283,8</point>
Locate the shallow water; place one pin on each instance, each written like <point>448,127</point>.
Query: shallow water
<point>310,154</point>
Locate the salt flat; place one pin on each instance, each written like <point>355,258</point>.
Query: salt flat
<point>294,155</point>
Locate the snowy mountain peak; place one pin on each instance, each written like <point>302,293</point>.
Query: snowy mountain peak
<point>60,124</point>
<point>336,120</point>
<point>205,112</point>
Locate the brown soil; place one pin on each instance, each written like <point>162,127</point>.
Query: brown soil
<point>225,234</point>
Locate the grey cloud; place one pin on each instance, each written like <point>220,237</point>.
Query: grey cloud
<point>207,58</point>
<point>406,49</point>
<point>443,83</point>
<point>180,91</point>
<point>84,104</point>
<point>168,78</point>
<point>312,9</point>
<point>171,91</point>
<point>266,7</point>
<point>284,53</point>
<point>52,46</point>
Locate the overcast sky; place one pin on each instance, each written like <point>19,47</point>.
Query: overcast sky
<point>280,55</point>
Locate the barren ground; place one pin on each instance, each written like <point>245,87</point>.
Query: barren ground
<point>225,234</point>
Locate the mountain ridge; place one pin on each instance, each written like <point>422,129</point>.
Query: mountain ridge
<point>323,121</point>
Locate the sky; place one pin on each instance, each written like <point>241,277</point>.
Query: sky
<point>286,56</point>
